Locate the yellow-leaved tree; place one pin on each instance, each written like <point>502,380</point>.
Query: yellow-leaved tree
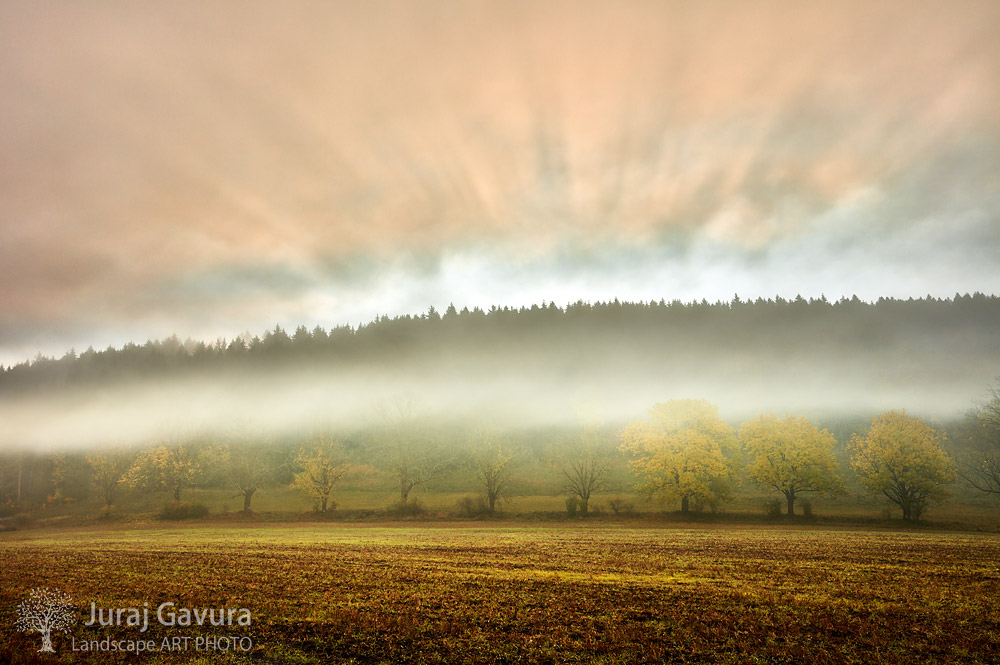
<point>901,458</point>
<point>322,464</point>
<point>172,466</point>
<point>683,452</point>
<point>108,470</point>
<point>791,456</point>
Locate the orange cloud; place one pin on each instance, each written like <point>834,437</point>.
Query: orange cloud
<point>144,143</point>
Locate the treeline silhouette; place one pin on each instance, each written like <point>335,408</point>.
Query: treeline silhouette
<point>917,336</point>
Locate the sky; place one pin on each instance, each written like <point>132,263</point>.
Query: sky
<point>211,167</point>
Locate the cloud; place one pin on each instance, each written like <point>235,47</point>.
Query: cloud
<point>207,167</point>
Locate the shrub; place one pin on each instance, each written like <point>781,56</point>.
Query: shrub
<point>619,506</point>
<point>572,506</point>
<point>473,507</point>
<point>409,509</point>
<point>711,504</point>
<point>772,508</point>
<point>183,510</point>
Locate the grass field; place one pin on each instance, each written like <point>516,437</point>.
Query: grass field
<point>534,593</point>
<point>969,510</point>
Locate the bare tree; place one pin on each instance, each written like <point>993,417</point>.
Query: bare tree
<point>584,462</point>
<point>492,462</point>
<point>246,459</point>
<point>979,464</point>
<point>248,465</point>
<point>409,453</point>
<point>46,610</point>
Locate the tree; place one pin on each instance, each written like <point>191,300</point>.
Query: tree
<point>492,462</point>
<point>46,610</point>
<point>979,465</point>
<point>409,453</point>
<point>683,451</point>
<point>323,464</point>
<point>108,470</point>
<point>901,457</point>
<point>248,464</point>
<point>791,456</point>
<point>172,466</point>
<point>584,462</point>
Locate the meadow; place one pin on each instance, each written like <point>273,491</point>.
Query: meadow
<point>605,592</point>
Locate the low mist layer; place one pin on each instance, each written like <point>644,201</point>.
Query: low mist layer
<point>543,365</point>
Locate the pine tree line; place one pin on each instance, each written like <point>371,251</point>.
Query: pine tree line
<point>918,326</point>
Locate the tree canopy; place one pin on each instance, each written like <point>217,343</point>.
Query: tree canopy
<point>683,452</point>
<point>901,457</point>
<point>791,456</point>
<point>173,466</point>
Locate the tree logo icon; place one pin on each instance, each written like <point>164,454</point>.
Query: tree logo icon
<point>46,610</point>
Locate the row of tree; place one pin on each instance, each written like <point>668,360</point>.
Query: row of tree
<point>687,452</point>
<point>684,453</point>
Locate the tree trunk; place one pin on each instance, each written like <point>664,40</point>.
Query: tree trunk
<point>790,497</point>
<point>46,641</point>
<point>404,493</point>
<point>177,493</point>
<point>493,502</point>
<point>684,504</point>
<point>323,509</point>
<point>906,511</point>
<point>583,505</point>
<point>246,499</point>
